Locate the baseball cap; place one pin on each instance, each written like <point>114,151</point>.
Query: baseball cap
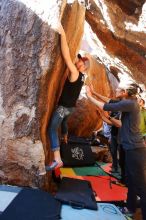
<point>85,60</point>
<point>132,89</point>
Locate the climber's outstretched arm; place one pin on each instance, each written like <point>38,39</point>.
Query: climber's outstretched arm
<point>73,73</point>
<point>93,100</point>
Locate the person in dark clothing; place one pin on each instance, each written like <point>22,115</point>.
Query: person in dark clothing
<point>115,145</point>
<point>114,140</point>
<point>133,145</point>
<point>67,100</point>
<point>122,164</point>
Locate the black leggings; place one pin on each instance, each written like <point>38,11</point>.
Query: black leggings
<point>136,176</point>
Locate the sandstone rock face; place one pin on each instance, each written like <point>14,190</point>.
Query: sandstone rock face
<point>130,7</point>
<point>120,27</point>
<point>86,118</point>
<point>31,75</point>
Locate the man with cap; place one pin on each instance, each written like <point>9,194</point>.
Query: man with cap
<point>67,100</point>
<point>133,145</point>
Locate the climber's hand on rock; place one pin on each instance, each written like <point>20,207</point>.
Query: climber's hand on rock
<point>60,29</point>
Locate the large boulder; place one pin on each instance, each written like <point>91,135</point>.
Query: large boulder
<point>32,72</point>
<point>120,27</point>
